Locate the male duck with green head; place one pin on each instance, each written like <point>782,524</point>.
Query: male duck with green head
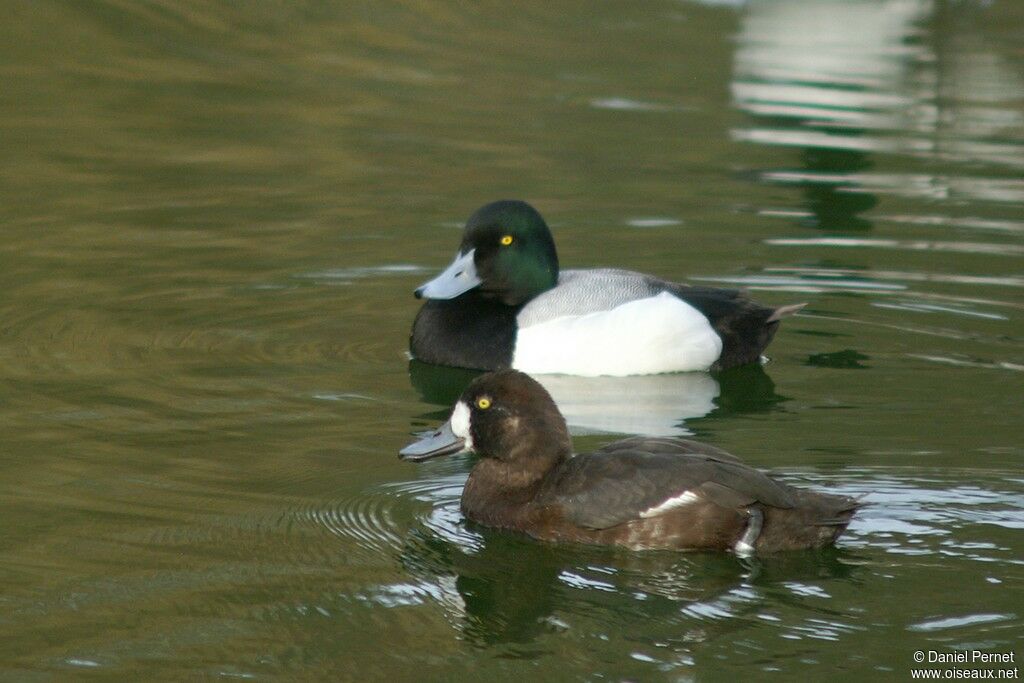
<point>503,303</point>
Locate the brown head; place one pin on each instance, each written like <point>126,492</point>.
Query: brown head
<point>506,416</point>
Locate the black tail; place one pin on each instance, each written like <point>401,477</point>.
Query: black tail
<point>745,326</point>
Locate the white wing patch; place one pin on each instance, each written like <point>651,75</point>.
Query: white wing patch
<point>684,498</point>
<point>646,336</point>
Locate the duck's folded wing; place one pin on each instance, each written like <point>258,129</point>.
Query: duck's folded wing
<point>580,292</point>
<point>602,289</point>
<point>720,304</point>
<point>605,489</point>
<point>668,445</point>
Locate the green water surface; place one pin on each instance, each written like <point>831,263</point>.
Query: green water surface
<point>212,218</point>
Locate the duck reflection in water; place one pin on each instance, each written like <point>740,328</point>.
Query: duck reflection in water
<point>646,405</point>
<point>508,590</point>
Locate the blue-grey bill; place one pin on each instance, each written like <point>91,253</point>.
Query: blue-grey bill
<point>442,441</point>
<point>458,278</point>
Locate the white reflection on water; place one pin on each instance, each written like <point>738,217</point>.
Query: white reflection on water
<point>899,509</point>
<point>842,275</point>
<point>357,273</point>
<point>984,224</point>
<point>965,363</point>
<point>913,185</point>
<point>910,245</point>
<point>625,104</point>
<point>812,138</point>
<point>820,282</point>
<point>850,84</point>
<point>829,62</point>
<point>868,66</point>
<point>920,307</point>
<point>647,405</point>
<point>578,581</point>
<point>957,622</point>
<point>651,405</point>
<point>653,222</point>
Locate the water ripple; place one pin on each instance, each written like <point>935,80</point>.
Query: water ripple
<point>921,307</point>
<point>841,276</point>
<point>969,363</point>
<point>348,275</point>
<point>367,520</point>
<point>912,245</point>
<point>627,104</point>
<point>958,622</point>
<point>910,185</point>
<point>899,509</point>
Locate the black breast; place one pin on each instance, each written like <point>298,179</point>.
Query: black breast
<point>467,332</point>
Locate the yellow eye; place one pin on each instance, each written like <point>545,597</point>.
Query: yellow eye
<point>483,403</point>
<point>506,240</point>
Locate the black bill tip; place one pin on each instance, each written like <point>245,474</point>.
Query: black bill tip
<point>434,444</point>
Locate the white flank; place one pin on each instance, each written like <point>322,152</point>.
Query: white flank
<point>684,498</point>
<point>460,424</point>
<point>643,337</point>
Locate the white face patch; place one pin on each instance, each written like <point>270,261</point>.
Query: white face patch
<point>684,498</point>
<point>460,422</point>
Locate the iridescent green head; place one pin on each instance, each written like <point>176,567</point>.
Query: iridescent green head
<point>507,253</point>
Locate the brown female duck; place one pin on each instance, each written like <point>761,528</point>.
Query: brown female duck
<point>638,492</point>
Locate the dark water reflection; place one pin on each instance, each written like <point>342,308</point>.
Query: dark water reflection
<point>504,589</point>
<point>213,216</point>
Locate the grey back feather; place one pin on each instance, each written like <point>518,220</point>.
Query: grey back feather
<point>589,291</point>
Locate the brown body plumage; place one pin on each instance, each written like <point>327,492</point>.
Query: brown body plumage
<point>637,493</point>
